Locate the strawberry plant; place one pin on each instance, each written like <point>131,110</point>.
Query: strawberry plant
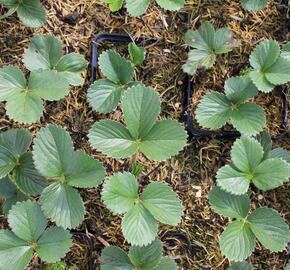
<point>254,162</point>
<point>240,266</point>
<point>30,234</point>
<point>158,140</point>
<point>17,163</point>
<point>269,66</point>
<point>46,53</point>
<point>30,12</point>
<point>139,7</point>
<point>142,212</point>
<point>254,5</point>
<point>141,258</point>
<point>215,108</point>
<point>66,170</point>
<point>207,43</point>
<point>238,240</point>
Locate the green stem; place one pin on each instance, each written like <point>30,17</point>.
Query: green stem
<point>9,12</point>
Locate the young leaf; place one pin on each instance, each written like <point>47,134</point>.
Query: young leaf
<point>229,205</point>
<point>114,5</point>
<point>241,266</point>
<point>270,228</point>
<point>148,257</point>
<point>157,140</point>
<point>206,44</point>
<point>137,54</point>
<point>237,242</point>
<point>253,5</point>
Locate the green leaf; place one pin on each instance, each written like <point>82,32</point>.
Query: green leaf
<point>166,264</point>
<point>261,81</point>
<point>27,178</point>
<point>112,138</point>
<point>52,151</point>
<point>288,266</point>
<point>120,192</point>
<point>171,4</point>
<point>229,205</point>
<point>279,72</point>
<point>162,203</point>
<point>146,258</point>
<point>271,173</point>
<point>104,96</point>
<point>31,13</point>
<point>84,171</point>
<point>12,81</point>
<point>115,68</point>
<point>63,205</point>
<point>7,161</point>
<point>280,153</point>
<point>7,188</point>
<point>265,55</point>
<point>265,140</point>
<point>247,154</point>
<point>286,51</point>
<point>139,226</point>
<point>15,254</point>
<point>137,7</point>
<point>270,228</point>
<point>27,220</point>
<point>214,110</point>
<point>141,107</point>
<point>53,244</point>
<point>48,84</point>
<point>164,140</point>
<point>232,181</point>
<point>248,118</point>
<point>44,52</point>
<point>114,258</point>
<point>16,140</point>
<point>239,89</point>
<point>137,54</point>
<point>240,266</point>
<point>237,242</point>
<point>253,5</point>
<point>114,5</point>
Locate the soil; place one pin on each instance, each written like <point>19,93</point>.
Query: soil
<point>194,243</point>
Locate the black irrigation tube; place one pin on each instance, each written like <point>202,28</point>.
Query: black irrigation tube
<point>91,247</point>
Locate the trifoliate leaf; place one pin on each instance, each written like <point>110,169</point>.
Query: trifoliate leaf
<point>44,52</point>
<point>63,205</point>
<point>104,96</point>
<point>147,257</point>
<point>115,67</point>
<point>162,203</point>
<point>229,205</point>
<point>139,226</point>
<point>52,151</point>
<point>237,242</point>
<point>16,140</point>
<point>31,13</point>
<point>232,181</point>
<point>246,154</point>
<point>171,4</point>
<point>112,138</point>
<point>114,5</point>
<point>239,89</point>
<point>166,264</point>
<point>270,228</point>
<point>253,5</point>
<point>240,266</point>
<point>120,192</point>
<point>165,139</point>
<point>114,258</point>
<point>137,54</point>
<point>280,153</point>
<point>141,107</point>
<point>15,254</point>
<point>286,51</point>
<point>53,244</point>
<point>279,72</point>
<point>27,178</point>
<point>271,173</point>
<point>260,81</point>
<point>214,110</point>
<point>137,7</point>
<point>27,220</point>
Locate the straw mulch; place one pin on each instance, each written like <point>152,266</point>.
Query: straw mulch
<point>194,243</point>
